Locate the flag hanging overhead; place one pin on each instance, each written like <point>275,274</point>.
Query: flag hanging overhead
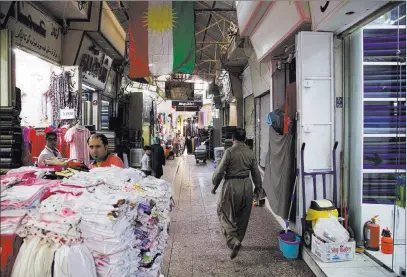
<point>161,38</point>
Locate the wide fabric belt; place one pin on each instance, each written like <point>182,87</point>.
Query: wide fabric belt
<point>236,177</point>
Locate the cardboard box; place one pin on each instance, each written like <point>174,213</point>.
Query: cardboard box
<point>333,252</point>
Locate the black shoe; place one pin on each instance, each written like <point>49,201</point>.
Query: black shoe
<point>235,250</point>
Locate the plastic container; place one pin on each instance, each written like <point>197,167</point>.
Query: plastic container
<point>289,248</point>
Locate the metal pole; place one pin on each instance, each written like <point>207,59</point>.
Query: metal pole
<point>199,50</point>
<point>215,10</point>
<point>210,42</point>
<point>210,26</point>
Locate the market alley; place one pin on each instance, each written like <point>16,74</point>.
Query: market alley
<point>196,246</point>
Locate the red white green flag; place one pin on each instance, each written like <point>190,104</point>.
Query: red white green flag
<point>161,38</point>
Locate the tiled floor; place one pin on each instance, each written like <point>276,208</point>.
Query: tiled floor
<point>196,247</point>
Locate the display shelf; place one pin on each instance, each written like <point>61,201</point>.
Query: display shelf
<point>384,171</point>
<point>384,99</point>
<point>384,63</point>
<point>384,135</point>
<point>385,27</point>
<point>384,112</point>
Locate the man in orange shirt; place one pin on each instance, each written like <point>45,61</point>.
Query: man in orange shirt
<point>98,145</point>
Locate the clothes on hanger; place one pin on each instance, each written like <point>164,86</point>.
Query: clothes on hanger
<point>77,137</point>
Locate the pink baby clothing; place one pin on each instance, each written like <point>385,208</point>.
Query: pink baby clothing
<point>77,137</point>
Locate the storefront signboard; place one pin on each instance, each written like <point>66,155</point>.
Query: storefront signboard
<point>321,10</point>
<point>67,114</point>
<point>95,64</point>
<point>337,16</point>
<point>268,43</point>
<point>35,31</point>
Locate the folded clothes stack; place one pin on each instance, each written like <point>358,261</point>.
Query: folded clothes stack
<point>106,222</point>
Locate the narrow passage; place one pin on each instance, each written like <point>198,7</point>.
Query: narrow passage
<point>197,248</point>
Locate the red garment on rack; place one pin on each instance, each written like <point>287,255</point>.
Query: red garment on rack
<point>37,141</point>
<point>63,145</point>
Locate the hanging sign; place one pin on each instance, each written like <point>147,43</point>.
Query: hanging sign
<point>95,64</point>
<point>198,97</point>
<point>176,90</point>
<point>67,114</point>
<point>35,31</point>
<point>186,104</point>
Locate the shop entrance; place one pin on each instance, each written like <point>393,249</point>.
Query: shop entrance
<point>377,122</point>
<point>50,100</point>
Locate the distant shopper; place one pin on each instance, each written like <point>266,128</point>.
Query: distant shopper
<point>157,158</point>
<point>146,161</point>
<point>188,144</point>
<point>98,145</point>
<point>50,151</point>
<point>176,145</point>
<point>236,198</point>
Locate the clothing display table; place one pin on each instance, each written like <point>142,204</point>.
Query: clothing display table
<point>106,222</point>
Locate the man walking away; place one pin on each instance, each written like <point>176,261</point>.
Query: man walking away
<point>236,198</point>
<point>157,158</point>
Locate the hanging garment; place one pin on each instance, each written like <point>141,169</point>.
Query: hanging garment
<point>279,175</point>
<point>77,136</point>
<point>157,160</point>
<point>61,95</point>
<point>37,141</point>
<point>26,130</point>
<point>63,145</point>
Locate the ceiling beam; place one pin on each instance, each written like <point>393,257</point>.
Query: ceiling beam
<point>215,10</point>
<point>211,42</point>
<point>213,24</point>
<point>209,7</point>
<point>209,57</point>
<point>199,50</point>
<point>124,10</point>
<point>209,21</point>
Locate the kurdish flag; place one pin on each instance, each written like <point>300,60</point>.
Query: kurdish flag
<point>161,38</point>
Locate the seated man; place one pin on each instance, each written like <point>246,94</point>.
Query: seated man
<point>50,151</point>
<point>98,145</point>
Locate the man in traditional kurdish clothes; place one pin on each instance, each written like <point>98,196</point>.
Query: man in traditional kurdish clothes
<point>235,201</point>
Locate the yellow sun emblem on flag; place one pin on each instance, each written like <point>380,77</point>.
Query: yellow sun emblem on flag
<point>160,17</point>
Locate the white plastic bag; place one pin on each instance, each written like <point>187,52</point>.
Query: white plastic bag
<point>330,230</point>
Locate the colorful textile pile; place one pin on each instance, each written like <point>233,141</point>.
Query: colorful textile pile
<point>106,222</point>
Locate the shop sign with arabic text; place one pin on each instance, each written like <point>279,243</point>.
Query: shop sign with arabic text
<point>35,31</point>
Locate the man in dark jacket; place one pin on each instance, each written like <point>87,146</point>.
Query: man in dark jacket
<point>157,158</point>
